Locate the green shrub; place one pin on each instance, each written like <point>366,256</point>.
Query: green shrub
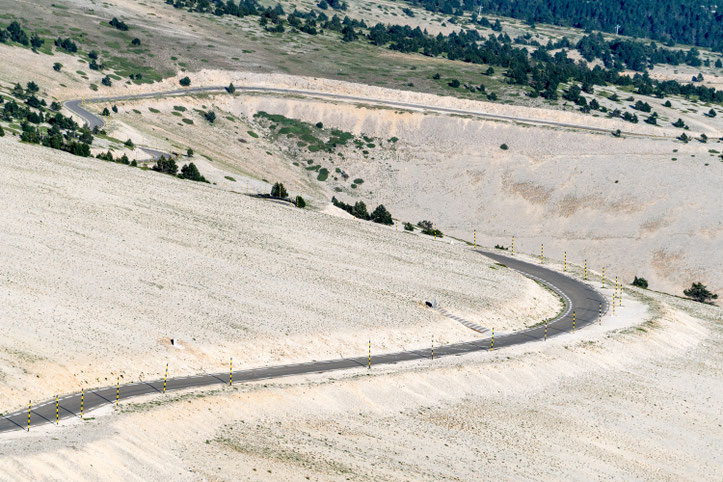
<point>300,203</point>
<point>189,152</point>
<point>185,81</point>
<point>504,147</point>
<point>323,174</point>
<point>358,181</point>
<point>428,228</point>
<point>408,226</point>
<point>166,166</point>
<point>640,282</point>
<point>230,178</point>
<point>190,172</point>
<point>278,190</point>
<point>381,215</point>
<point>699,292</point>
<point>2,131</point>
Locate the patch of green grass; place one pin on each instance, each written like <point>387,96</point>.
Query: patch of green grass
<point>253,134</point>
<point>136,111</point>
<point>155,111</point>
<point>230,178</point>
<point>179,108</point>
<point>305,132</point>
<point>187,121</point>
<point>358,181</point>
<point>177,114</point>
<point>323,174</point>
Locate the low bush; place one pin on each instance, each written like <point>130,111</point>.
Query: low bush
<point>700,293</point>
<point>640,282</point>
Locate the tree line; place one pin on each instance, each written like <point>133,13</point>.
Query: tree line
<point>694,22</point>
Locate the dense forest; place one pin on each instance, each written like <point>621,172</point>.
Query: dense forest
<point>694,22</point>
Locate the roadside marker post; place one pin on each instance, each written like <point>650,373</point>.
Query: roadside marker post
<point>165,379</point>
<point>542,253</point>
<point>475,238</point>
<point>616,285</point>
<point>603,277</point>
<point>565,267</point>
<point>57,410</point>
<point>117,391</point>
<point>369,365</point>
<point>230,372</point>
<point>435,232</point>
<point>492,340</point>
<point>613,304</point>
<point>586,269</point>
<point>82,399</point>
<point>545,330</point>
<point>599,316</point>
<point>30,404</point>
<point>573,322</point>
<point>513,245</point>
<point>432,348</point>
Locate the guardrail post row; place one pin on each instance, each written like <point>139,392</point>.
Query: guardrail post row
<point>573,322</point>
<point>603,277</point>
<point>545,330</point>
<point>230,372</point>
<point>585,269</point>
<point>82,399</point>
<point>117,391</point>
<point>513,245</point>
<point>30,405</point>
<point>57,410</point>
<point>492,340</point>
<point>599,316</point>
<point>542,253</point>
<point>565,266</point>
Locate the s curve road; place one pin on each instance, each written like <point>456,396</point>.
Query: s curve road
<point>579,298</point>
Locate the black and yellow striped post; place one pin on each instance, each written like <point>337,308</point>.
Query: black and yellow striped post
<point>573,322</point>
<point>230,371</point>
<point>621,294</point>
<point>613,304</point>
<point>165,379</point>
<point>82,399</point>
<point>603,277</point>
<point>30,405</point>
<point>435,232</point>
<point>616,285</point>
<point>599,315</point>
<point>492,340</point>
<point>586,269</point>
<point>117,391</point>
<point>565,265</point>
<point>432,348</point>
<point>369,363</point>
<point>545,330</point>
<point>513,245</point>
<point>57,410</point>
<point>475,237</point>
<point>542,253</point>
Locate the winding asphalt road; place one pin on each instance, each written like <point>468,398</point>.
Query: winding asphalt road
<point>93,120</point>
<point>580,298</point>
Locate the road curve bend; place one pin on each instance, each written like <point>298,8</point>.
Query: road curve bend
<point>579,297</point>
<point>76,106</point>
